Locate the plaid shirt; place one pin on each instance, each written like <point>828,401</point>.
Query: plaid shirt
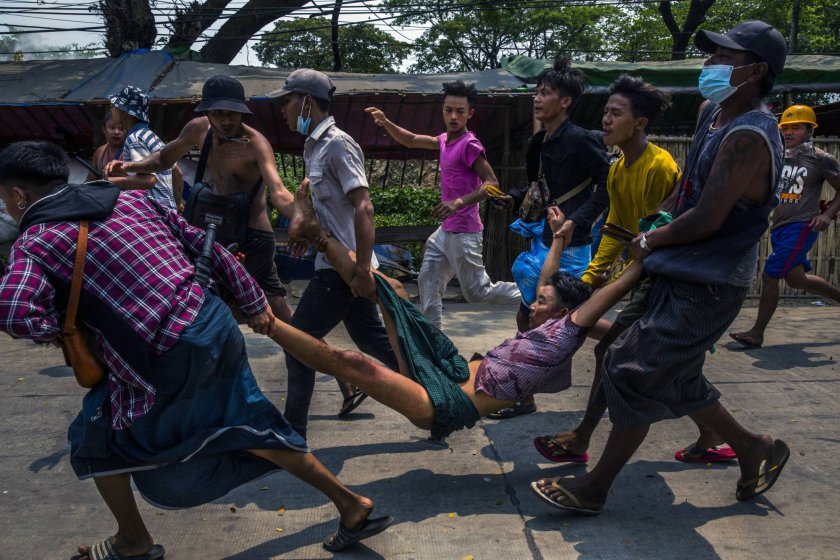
<point>136,264</point>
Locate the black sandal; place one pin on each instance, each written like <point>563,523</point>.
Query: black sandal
<point>351,403</point>
<point>345,537</point>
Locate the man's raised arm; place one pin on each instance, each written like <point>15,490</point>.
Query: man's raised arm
<point>401,135</point>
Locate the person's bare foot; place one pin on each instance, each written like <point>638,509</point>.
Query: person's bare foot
<point>590,498</point>
<point>707,440</point>
<point>748,339</point>
<point>304,224</point>
<point>750,459</point>
<point>122,545</point>
<point>566,442</point>
<point>354,514</point>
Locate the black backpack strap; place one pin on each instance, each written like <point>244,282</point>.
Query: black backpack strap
<point>204,155</point>
<point>256,190</point>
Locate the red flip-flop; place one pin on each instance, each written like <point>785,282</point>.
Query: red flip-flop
<point>566,457</point>
<point>711,455</point>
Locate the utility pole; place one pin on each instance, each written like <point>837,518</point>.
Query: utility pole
<point>793,41</point>
<point>336,49</point>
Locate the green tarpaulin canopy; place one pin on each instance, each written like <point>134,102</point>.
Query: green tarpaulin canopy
<point>803,73</point>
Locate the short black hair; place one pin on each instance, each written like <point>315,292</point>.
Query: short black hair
<point>459,89</point>
<point>571,291</point>
<point>33,165</point>
<point>563,78</point>
<point>768,80</point>
<point>646,100</point>
<point>323,104</point>
<point>107,117</point>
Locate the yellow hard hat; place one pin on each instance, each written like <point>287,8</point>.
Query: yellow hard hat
<point>798,114</point>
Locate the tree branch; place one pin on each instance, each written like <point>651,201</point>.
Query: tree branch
<point>236,31</point>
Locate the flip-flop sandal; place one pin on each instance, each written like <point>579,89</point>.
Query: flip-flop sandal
<point>565,457</point>
<point>513,411</point>
<point>576,506</point>
<point>344,537</point>
<point>710,455</point>
<point>773,465</point>
<point>744,340</point>
<point>351,403</point>
<point>105,551</point>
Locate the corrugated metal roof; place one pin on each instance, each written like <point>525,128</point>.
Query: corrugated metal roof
<point>63,100</point>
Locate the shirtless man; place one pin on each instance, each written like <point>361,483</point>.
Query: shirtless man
<point>240,160</point>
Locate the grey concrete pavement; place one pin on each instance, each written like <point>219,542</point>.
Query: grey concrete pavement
<point>472,498</point>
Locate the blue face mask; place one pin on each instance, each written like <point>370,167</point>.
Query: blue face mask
<point>303,123</point>
<point>714,82</point>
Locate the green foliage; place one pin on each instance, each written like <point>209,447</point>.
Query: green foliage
<point>306,43</point>
<point>644,31</point>
<point>465,37</point>
<point>404,206</point>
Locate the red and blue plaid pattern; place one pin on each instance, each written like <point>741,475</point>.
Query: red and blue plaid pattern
<point>137,265</point>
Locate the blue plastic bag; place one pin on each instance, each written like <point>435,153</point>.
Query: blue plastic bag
<point>526,268</point>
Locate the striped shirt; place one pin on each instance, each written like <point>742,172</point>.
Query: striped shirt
<point>534,361</point>
<point>139,144</point>
<point>136,266</point>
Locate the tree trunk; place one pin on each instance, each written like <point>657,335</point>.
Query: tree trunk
<point>238,30</point>
<point>129,25</point>
<point>694,19</point>
<point>190,22</point>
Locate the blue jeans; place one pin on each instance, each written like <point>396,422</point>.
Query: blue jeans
<point>327,302</point>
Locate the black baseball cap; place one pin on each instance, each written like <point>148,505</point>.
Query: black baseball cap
<point>308,82</point>
<point>755,36</point>
<point>225,93</point>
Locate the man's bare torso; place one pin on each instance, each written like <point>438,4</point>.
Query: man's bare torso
<point>233,167</point>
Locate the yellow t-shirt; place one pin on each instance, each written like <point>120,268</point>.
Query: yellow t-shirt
<point>635,192</point>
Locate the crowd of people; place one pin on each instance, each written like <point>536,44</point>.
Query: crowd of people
<point>179,412</point>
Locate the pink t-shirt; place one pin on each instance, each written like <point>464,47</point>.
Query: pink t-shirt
<point>457,178</point>
<point>535,361</point>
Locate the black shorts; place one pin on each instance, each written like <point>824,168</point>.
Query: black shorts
<point>259,248</point>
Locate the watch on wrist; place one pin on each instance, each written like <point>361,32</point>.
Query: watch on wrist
<point>643,242</point>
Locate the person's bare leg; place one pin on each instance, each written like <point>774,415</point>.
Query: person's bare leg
<point>593,487</point>
<point>353,508</point>
<point>132,537</point>
<point>384,385</point>
<point>767,304</point>
<point>751,448</point>
<point>576,442</point>
<point>280,308</point>
<point>801,280</point>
